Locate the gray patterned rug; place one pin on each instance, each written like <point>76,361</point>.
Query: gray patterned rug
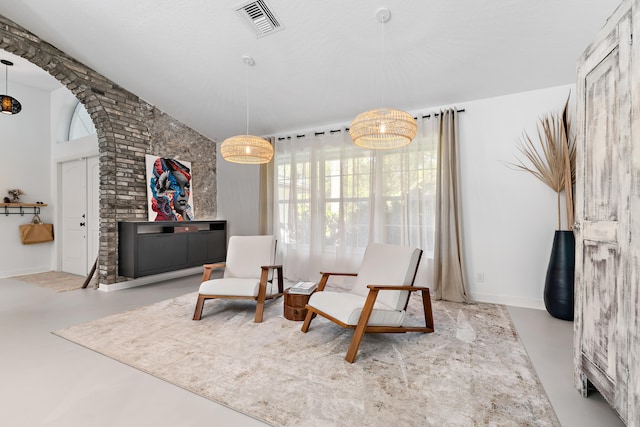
<point>472,371</point>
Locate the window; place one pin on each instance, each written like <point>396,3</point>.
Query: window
<point>81,124</point>
<point>333,198</point>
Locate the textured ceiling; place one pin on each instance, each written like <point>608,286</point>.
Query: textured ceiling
<point>184,56</point>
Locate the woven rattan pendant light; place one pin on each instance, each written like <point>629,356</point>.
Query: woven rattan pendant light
<point>247,149</point>
<point>383,128</point>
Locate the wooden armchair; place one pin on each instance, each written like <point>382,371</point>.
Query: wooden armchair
<point>248,274</point>
<point>377,303</point>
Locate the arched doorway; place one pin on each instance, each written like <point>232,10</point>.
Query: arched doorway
<point>97,94</point>
<point>127,129</point>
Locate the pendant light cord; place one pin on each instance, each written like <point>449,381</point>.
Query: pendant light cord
<point>381,63</point>
<point>246,85</point>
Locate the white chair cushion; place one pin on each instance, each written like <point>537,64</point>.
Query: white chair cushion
<point>385,264</point>
<point>347,308</point>
<point>233,287</point>
<point>246,254</point>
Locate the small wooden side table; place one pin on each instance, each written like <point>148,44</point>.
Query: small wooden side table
<point>294,305</point>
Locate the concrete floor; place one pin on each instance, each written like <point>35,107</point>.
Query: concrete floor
<point>549,343</point>
<point>48,381</point>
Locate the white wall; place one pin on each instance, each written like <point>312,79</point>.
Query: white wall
<point>32,147</point>
<point>25,153</point>
<point>238,188</point>
<point>509,217</point>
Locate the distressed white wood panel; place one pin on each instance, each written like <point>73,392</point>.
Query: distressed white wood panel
<point>600,231</point>
<point>632,300</point>
<point>601,304</point>
<point>601,185</point>
<point>606,325</point>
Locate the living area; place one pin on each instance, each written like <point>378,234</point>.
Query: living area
<point>507,216</point>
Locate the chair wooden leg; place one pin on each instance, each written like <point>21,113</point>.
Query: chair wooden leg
<point>262,295</point>
<point>428,313</point>
<point>362,326</point>
<point>307,320</point>
<point>280,280</point>
<point>354,345</point>
<point>197,314</point>
<point>259,312</point>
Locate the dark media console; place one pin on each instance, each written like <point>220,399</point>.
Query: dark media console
<point>146,248</point>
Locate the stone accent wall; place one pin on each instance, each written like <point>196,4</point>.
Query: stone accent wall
<point>127,128</point>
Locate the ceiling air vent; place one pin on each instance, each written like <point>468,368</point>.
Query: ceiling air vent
<point>259,17</point>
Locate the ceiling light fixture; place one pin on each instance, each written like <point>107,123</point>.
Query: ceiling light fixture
<point>247,148</point>
<point>383,128</point>
<point>10,105</point>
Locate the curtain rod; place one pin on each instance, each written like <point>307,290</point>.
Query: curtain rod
<point>437,114</point>
<point>425,116</point>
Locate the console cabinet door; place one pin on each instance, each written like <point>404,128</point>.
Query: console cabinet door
<point>206,246</point>
<point>158,253</point>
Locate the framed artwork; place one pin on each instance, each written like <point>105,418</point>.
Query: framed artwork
<point>169,189</point>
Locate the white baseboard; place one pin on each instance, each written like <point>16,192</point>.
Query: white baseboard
<point>537,304</point>
<point>22,271</point>
<point>146,280</point>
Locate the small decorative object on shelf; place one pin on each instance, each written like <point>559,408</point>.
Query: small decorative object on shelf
<point>186,229</point>
<point>14,196</point>
<point>7,200</point>
<point>303,288</point>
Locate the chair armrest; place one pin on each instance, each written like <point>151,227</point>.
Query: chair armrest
<point>208,269</point>
<point>215,265</point>
<point>265,274</point>
<point>396,288</point>
<point>374,289</point>
<point>338,274</point>
<point>325,277</point>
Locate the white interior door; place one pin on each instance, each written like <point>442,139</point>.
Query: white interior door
<point>80,215</point>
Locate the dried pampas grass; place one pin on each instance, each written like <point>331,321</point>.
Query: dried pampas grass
<point>552,157</point>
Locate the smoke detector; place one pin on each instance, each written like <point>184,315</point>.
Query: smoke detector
<point>259,17</point>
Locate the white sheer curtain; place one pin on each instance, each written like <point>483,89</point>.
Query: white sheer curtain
<point>332,198</point>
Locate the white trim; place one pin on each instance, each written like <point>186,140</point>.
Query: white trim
<point>507,300</point>
<point>90,152</point>
<point>146,280</point>
<point>14,274</point>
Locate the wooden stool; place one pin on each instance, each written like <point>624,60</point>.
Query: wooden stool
<point>294,305</point>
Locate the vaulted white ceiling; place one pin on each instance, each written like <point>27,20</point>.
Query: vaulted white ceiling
<point>323,68</point>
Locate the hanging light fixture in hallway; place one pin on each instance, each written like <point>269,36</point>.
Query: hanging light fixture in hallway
<point>10,105</point>
<point>383,128</point>
<point>247,148</point>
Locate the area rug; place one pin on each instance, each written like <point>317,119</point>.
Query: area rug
<point>55,280</point>
<point>472,371</point>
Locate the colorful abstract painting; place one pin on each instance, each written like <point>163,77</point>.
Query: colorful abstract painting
<point>169,190</point>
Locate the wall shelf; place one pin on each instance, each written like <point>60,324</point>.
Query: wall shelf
<point>21,208</point>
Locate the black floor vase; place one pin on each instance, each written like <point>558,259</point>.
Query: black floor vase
<point>559,285</point>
